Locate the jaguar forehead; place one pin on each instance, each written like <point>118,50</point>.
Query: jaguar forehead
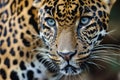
<point>64,11</point>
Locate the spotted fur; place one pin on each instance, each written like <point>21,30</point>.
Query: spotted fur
<point>50,39</point>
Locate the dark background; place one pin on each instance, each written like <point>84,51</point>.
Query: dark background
<point>114,36</point>
<point>114,25</point>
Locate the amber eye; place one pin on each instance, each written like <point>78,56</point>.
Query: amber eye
<point>85,20</point>
<point>51,22</point>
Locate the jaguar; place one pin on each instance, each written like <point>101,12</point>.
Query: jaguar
<point>54,39</point>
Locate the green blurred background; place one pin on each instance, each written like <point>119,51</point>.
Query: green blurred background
<point>114,25</point>
<point>114,36</point>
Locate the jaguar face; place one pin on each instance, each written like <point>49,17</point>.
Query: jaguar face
<point>71,28</point>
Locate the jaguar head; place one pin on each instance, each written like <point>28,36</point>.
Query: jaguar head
<point>70,29</point>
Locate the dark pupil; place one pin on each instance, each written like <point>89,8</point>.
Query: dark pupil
<point>84,20</point>
<point>51,21</point>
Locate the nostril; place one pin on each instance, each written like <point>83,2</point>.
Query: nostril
<point>67,56</point>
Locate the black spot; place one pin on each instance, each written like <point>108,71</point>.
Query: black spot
<point>18,48</point>
<point>23,75</point>
<point>93,1</point>
<point>1,27</point>
<point>14,75</point>
<point>15,62</point>
<point>15,40</point>
<point>104,6</point>
<point>13,7</point>
<point>24,25</point>
<point>27,54</point>
<point>32,64</point>
<point>14,35</point>
<point>0,33</point>
<point>21,27</point>
<point>99,22</point>
<point>7,62</point>
<point>16,32</point>
<point>26,3</point>
<point>21,19</point>
<point>55,2</point>
<point>85,47</point>
<point>8,42</point>
<point>104,26</point>
<point>100,13</point>
<point>19,10</point>
<point>39,57</point>
<point>81,2</point>
<point>30,75</point>
<point>3,51</point>
<point>10,30</point>
<point>21,53</point>
<point>1,42</point>
<point>105,14</point>
<point>10,24</point>
<point>81,10</point>
<point>100,37</point>
<point>93,8</point>
<point>86,9</point>
<point>28,32</point>
<point>5,32</point>
<point>22,65</point>
<point>99,0</point>
<point>26,42</point>
<point>12,52</point>
<point>38,71</point>
<point>98,4</point>
<point>3,74</point>
<point>22,35</point>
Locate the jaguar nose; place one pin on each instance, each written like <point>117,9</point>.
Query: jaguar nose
<point>67,55</point>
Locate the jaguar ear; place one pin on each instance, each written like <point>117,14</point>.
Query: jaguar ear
<point>38,3</point>
<point>109,3</point>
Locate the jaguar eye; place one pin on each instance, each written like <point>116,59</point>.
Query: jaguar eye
<point>85,20</point>
<point>50,22</point>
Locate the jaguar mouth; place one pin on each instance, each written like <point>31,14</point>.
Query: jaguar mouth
<point>70,69</point>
